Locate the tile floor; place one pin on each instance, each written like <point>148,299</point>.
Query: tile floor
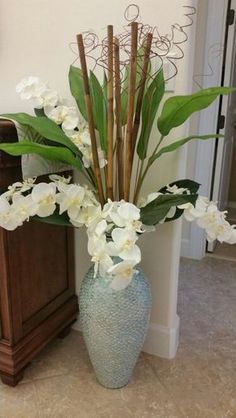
<point>224,251</point>
<point>199,382</point>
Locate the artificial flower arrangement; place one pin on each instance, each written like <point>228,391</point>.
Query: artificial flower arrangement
<point>106,137</point>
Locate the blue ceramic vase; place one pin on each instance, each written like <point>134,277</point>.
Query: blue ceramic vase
<point>114,325</point>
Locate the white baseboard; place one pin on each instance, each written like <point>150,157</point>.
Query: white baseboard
<point>160,341</point>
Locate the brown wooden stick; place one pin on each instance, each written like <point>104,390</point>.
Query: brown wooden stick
<point>147,51</point>
<point>119,140</point>
<point>110,117</point>
<point>130,109</point>
<point>89,110</point>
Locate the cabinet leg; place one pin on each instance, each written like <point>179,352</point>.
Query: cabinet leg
<point>64,332</point>
<point>11,380</point>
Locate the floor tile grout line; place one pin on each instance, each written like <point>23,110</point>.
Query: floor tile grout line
<point>36,400</point>
<point>166,390</point>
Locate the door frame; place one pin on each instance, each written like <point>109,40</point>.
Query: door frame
<point>208,119</point>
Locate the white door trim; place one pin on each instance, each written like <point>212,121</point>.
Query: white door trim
<point>230,66</point>
<point>215,33</point>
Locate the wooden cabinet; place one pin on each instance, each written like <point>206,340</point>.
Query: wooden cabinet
<point>37,285</point>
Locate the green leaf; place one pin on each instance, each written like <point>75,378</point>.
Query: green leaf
<point>50,153</point>
<point>175,145</point>
<point>104,85</point>
<point>31,135</point>
<point>191,185</point>
<point>45,127</point>
<point>77,89</point>
<point>99,109</point>
<point>124,96</point>
<point>55,219</point>
<point>156,210</point>
<point>39,112</point>
<point>177,109</point>
<point>151,102</point>
<point>124,93</point>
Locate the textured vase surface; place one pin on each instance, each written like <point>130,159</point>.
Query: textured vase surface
<point>114,325</point>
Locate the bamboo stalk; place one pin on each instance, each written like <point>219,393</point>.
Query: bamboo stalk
<point>110,117</point>
<point>130,110</point>
<point>89,111</point>
<point>147,51</point>
<point>119,140</point>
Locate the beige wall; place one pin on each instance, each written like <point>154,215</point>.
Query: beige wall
<point>201,22</point>
<point>232,186</point>
<point>34,40</point>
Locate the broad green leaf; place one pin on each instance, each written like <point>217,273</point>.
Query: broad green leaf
<point>124,96</point>
<point>125,83</point>
<point>191,185</point>
<point>151,102</point>
<point>77,89</point>
<point>50,153</point>
<point>156,210</point>
<point>45,127</point>
<point>177,109</point>
<point>39,112</point>
<point>55,219</point>
<point>99,109</point>
<point>178,214</point>
<point>31,134</point>
<point>175,145</point>
<point>104,85</point>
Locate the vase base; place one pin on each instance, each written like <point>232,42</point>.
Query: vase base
<point>111,386</point>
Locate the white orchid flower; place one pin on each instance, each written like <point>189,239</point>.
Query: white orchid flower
<point>70,199</point>
<point>98,250</point>
<point>88,216</point>
<point>109,207</point>
<point>47,99</point>
<point>123,245</point>
<point>123,273</point>
<point>23,207</point>
<point>30,88</point>
<point>80,138</point>
<point>90,198</point>
<point>60,179</point>
<point>126,215</point>
<point>232,237</point>
<point>45,196</point>
<point>211,216</point>
<point>191,213</point>
<point>8,219</point>
<point>19,187</point>
<point>97,228</point>
<point>87,156</point>
<point>176,190</point>
<point>63,115</point>
<point>123,214</point>
<point>221,231</point>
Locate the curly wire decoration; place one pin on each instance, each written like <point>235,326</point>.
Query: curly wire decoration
<point>166,47</point>
<point>215,52</point>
